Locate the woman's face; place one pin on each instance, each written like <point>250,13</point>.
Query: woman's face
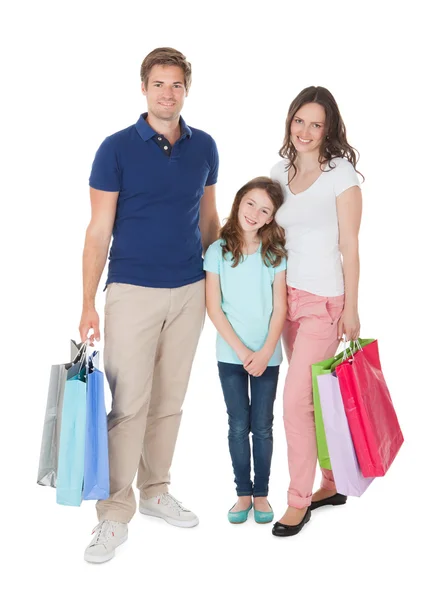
<point>308,127</point>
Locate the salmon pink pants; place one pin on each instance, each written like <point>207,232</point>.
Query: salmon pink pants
<point>309,336</point>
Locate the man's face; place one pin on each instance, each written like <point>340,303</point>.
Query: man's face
<point>165,92</point>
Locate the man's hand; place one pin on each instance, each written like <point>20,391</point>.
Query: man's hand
<point>256,363</point>
<point>89,320</point>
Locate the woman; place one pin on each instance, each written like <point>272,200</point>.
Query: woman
<point>321,216</point>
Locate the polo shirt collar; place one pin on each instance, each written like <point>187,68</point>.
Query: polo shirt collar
<point>146,132</point>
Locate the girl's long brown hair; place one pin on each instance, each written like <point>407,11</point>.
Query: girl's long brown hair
<point>272,235</point>
<point>334,143</point>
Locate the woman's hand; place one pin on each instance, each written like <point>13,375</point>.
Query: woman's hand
<point>349,324</point>
<point>256,363</point>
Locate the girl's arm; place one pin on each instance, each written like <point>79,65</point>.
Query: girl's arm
<point>349,210</point>
<point>218,318</point>
<point>259,360</point>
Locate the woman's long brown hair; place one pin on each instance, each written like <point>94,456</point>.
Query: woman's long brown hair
<point>272,235</point>
<point>334,143</point>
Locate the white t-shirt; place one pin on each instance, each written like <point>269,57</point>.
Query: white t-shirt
<point>311,228</point>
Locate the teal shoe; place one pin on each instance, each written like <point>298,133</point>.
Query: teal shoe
<point>263,517</point>
<point>239,516</point>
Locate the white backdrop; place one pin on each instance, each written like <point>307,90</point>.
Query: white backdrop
<point>70,77</point>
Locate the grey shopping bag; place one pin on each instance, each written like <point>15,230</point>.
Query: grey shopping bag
<point>48,460</point>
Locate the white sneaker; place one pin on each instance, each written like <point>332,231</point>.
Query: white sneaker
<point>109,535</point>
<point>167,507</point>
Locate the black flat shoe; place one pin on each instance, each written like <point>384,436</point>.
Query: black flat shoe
<point>282,530</point>
<point>335,500</point>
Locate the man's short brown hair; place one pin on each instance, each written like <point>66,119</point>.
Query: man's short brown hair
<point>166,56</point>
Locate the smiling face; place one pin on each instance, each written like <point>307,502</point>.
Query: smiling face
<point>165,92</point>
<point>255,210</point>
<point>308,127</point>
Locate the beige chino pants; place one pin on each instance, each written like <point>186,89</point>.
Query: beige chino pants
<point>151,335</point>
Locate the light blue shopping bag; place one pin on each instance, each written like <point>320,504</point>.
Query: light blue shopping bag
<point>96,463</point>
<point>70,476</point>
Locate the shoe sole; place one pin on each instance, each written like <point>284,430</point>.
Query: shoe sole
<point>184,524</point>
<point>106,557</point>
<point>328,504</point>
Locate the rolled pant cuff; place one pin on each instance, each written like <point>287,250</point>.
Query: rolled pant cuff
<point>326,484</point>
<point>298,502</point>
<point>156,490</point>
<point>243,493</point>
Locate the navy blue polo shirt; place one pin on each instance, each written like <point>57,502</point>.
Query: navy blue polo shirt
<point>156,236</point>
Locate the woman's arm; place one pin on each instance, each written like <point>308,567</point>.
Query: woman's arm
<point>218,318</point>
<point>259,360</point>
<point>349,210</point>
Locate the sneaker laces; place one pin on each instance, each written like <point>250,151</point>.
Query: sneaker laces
<point>104,531</point>
<point>169,500</point>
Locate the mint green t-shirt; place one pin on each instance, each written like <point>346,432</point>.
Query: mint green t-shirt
<point>247,300</point>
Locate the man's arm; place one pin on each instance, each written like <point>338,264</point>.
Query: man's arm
<point>97,241</point>
<point>209,219</point>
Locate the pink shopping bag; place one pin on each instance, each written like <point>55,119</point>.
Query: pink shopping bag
<point>371,416</point>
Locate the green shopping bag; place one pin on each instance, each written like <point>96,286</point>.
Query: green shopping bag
<point>321,368</point>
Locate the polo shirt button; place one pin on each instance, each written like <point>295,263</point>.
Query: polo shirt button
<point>165,147</point>
<point>160,139</point>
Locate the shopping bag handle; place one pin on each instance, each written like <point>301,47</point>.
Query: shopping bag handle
<point>80,356</point>
<point>353,348</point>
<point>90,364</point>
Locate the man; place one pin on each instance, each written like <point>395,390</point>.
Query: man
<point>152,187</point>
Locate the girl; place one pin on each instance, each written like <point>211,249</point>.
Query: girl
<point>246,300</point>
<point>321,217</point>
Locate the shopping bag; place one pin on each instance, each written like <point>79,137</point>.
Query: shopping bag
<point>321,368</point>
<point>346,471</point>
<point>48,459</point>
<point>70,476</point>
<point>96,463</point>
<point>371,416</point>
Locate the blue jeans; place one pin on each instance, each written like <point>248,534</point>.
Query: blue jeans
<point>249,415</point>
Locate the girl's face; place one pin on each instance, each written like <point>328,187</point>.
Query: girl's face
<point>308,127</point>
<point>255,210</point>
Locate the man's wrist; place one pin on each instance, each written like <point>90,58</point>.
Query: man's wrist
<point>88,304</point>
